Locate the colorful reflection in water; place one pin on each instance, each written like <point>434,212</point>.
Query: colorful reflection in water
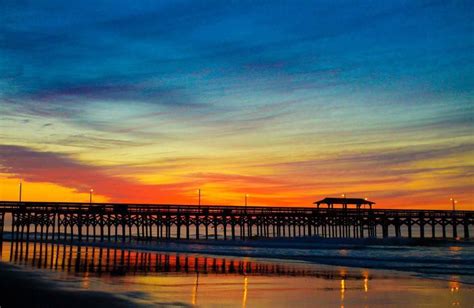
<point>201,280</point>
<point>244,299</point>
<point>90,261</point>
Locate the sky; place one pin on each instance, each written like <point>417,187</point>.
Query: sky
<point>286,101</point>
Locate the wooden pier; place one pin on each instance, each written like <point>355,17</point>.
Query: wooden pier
<point>126,222</point>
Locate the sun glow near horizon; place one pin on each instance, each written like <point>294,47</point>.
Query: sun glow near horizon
<point>286,102</point>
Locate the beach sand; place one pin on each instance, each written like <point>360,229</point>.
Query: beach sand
<point>20,288</point>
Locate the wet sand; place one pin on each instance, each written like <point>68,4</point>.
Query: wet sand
<point>46,275</point>
<point>20,288</point>
<point>428,258</point>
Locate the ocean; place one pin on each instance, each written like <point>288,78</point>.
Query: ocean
<point>278,273</point>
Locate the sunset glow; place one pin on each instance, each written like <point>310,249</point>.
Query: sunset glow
<point>236,99</point>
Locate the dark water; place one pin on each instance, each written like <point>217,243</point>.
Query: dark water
<point>151,278</point>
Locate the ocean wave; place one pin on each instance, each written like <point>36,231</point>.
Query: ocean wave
<point>439,260</point>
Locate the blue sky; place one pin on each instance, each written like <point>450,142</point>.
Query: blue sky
<point>264,89</point>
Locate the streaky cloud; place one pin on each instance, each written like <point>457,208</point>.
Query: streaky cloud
<point>37,166</point>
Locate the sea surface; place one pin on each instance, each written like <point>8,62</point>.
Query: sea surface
<point>258,273</point>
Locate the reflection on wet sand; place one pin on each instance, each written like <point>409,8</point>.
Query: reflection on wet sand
<point>244,299</point>
<point>195,289</point>
<point>454,287</point>
<point>208,280</point>
<point>97,260</point>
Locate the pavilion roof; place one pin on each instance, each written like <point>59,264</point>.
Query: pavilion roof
<point>344,201</point>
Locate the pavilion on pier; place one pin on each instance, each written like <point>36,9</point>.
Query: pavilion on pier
<point>345,202</point>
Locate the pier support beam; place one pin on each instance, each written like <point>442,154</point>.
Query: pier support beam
<point>433,228</point>
<point>422,224</point>
<point>2,223</point>
<point>385,230</point>
<point>455,228</point>
<point>409,224</point>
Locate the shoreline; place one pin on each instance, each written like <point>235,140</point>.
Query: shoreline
<point>386,254</point>
<point>30,284</point>
<point>26,286</point>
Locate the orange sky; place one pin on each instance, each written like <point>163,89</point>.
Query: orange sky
<point>287,102</point>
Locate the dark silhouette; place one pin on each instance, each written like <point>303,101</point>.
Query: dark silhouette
<point>127,222</point>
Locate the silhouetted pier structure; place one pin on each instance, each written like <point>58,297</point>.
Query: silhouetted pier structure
<point>124,222</point>
<point>345,202</point>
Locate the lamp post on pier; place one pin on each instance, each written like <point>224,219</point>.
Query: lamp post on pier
<point>90,196</point>
<point>19,194</point>
<point>199,197</point>
<point>453,203</point>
